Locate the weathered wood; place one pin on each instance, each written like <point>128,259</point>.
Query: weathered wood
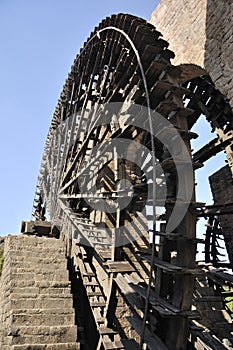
<point>106,330</point>
<point>153,342</point>
<point>130,344</point>
<point>107,71</point>
<point>206,341</point>
<point>115,345</point>
<point>221,277</point>
<point>120,266</point>
<point>128,292</point>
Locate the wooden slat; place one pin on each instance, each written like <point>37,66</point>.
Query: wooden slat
<point>128,292</point>
<point>130,344</point>
<point>115,345</point>
<point>163,264</point>
<point>154,300</point>
<point>97,304</point>
<point>171,268</point>
<point>152,341</point>
<point>221,276</point>
<point>162,306</point>
<point>95,294</point>
<point>104,253</point>
<point>91,284</point>
<point>208,341</point>
<point>106,330</point>
<point>120,266</point>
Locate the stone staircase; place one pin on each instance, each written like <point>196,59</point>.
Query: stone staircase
<point>36,301</point>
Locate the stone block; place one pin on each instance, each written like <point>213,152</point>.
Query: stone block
<point>40,317</point>
<point>42,302</point>
<point>44,335</point>
<point>58,346</point>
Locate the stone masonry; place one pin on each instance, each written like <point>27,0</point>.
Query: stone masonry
<point>222,189</point>
<point>200,32</point>
<point>36,301</point>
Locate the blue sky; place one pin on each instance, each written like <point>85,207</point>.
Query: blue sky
<point>39,40</point>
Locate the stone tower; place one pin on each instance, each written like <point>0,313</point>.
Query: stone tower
<point>200,32</point>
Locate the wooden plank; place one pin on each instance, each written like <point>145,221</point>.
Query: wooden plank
<point>104,253</point>
<point>211,298</point>
<point>221,276</point>
<point>162,306</point>
<point>106,330</point>
<point>95,294</point>
<point>210,341</point>
<point>97,303</point>
<point>128,292</point>
<point>88,274</point>
<point>163,264</point>
<point>113,345</point>
<point>171,268</point>
<point>217,210</point>
<point>209,150</point>
<point>154,300</point>
<point>120,266</point>
<point>153,342</point>
<point>91,284</point>
<point>131,344</point>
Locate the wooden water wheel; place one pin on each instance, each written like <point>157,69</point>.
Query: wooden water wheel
<point>116,167</point>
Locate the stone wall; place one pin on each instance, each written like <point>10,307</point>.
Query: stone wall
<point>200,32</point>
<point>219,45</point>
<point>36,304</point>
<point>182,23</point>
<point>222,189</point>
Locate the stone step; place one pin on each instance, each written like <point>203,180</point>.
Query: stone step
<point>35,261</point>
<point>40,317</point>
<point>44,301</point>
<point>61,294</point>
<point>19,263</point>
<point>42,335</point>
<point>58,346</point>
<point>39,284</point>
<point>38,291</point>
<point>37,302</point>
<point>34,269</point>
<point>35,247</point>
<point>40,276</point>
<point>37,271</point>
<point>58,263</point>
<point>28,255</point>
<point>33,241</point>
<point>35,250</point>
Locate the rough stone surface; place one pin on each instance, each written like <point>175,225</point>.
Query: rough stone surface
<point>182,23</point>
<point>222,189</point>
<point>36,301</point>
<point>200,32</point>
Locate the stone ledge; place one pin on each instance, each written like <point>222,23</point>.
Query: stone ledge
<point>42,318</point>
<point>58,346</point>
<point>43,335</point>
<point>39,303</point>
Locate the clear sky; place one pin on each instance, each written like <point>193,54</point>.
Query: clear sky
<point>39,40</point>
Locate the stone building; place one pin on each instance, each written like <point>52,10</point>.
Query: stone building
<point>200,32</point>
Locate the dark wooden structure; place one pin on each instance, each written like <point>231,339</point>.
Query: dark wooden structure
<point>140,278</point>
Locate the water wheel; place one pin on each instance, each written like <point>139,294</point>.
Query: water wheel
<point>117,181</point>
